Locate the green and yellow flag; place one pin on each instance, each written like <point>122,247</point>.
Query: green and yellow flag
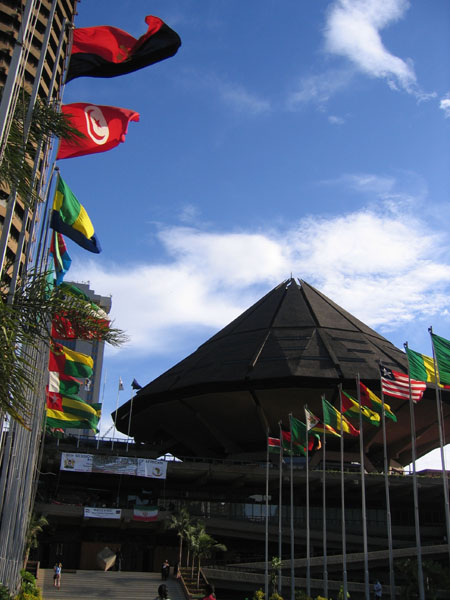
<point>442,352</point>
<point>350,408</point>
<point>333,418</point>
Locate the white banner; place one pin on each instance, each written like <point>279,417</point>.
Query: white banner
<point>156,469</point>
<point>118,465</point>
<point>76,462</point>
<point>102,513</point>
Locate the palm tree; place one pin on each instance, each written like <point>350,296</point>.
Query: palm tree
<point>35,527</point>
<point>181,521</point>
<point>17,164</point>
<point>206,547</point>
<point>193,538</point>
<point>25,322</point>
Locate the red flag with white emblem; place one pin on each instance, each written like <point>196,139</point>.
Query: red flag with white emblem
<point>103,127</point>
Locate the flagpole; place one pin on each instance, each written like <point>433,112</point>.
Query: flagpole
<point>280,506</point>
<point>388,499</point>
<point>441,442</point>
<point>129,423</point>
<point>266,542</point>
<point>415,493</point>
<point>292,515</point>
<point>344,542</point>
<point>324,520</point>
<point>308,532</point>
<point>115,414</point>
<point>363,494</point>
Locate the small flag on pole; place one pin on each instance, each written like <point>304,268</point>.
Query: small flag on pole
<point>135,385</point>
<point>396,384</point>
<point>70,218</point>
<point>120,384</point>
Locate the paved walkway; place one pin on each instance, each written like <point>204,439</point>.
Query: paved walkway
<point>109,585</point>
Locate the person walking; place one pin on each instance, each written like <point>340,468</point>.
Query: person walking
<point>163,593</point>
<point>377,590</point>
<point>57,575</point>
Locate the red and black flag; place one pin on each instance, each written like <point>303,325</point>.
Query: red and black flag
<point>106,51</point>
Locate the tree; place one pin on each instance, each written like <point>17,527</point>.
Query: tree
<point>181,521</point>
<point>16,167</point>
<point>276,565</point>
<point>25,322</point>
<point>35,527</point>
<point>206,546</point>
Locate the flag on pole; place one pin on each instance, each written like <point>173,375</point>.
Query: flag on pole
<point>68,362</point>
<point>70,218</point>
<point>106,51</point>
<point>332,417</point>
<point>274,445</point>
<point>350,408</point>
<point>61,258</point>
<point>65,329</point>
<point>442,352</point>
<point>135,385</point>
<point>120,384</point>
<point>313,423</point>
<point>371,401</point>
<point>297,449</point>
<point>299,435</point>
<point>73,413</point>
<point>421,367</point>
<point>103,128</point>
<point>397,384</point>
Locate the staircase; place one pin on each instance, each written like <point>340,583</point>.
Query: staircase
<point>190,583</point>
<point>109,585</point>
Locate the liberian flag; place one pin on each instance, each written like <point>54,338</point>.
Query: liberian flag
<point>145,513</point>
<point>397,384</point>
<point>106,51</point>
<point>103,128</point>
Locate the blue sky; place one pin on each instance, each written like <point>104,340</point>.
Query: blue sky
<point>307,137</point>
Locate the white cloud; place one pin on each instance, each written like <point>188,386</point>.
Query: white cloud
<point>319,88</point>
<point>234,95</point>
<point>334,120</point>
<point>353,31</point>
<point>241,99</point>
<point>368,261</point>
<point>445,106</point>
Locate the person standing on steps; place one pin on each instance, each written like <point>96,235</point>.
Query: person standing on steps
<point>57,575</point>
<point>165,570</point>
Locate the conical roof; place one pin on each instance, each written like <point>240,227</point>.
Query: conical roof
<point>293,331</point>
<point>284,351</point>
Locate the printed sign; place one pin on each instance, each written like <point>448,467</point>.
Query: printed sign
<point>92,512</point>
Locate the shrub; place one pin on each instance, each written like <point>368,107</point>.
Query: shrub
<point>28,588</point>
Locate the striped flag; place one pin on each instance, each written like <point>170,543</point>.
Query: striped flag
<point>397,384</point>
<point>145,513</point>
<point>336,420</point>
<point>274,445</point>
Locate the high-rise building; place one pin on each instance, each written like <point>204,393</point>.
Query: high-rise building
<point>91,390</point>
<point>34,42</point>
<point>34,47</point>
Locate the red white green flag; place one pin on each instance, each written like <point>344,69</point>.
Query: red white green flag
<point>145,513</point>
